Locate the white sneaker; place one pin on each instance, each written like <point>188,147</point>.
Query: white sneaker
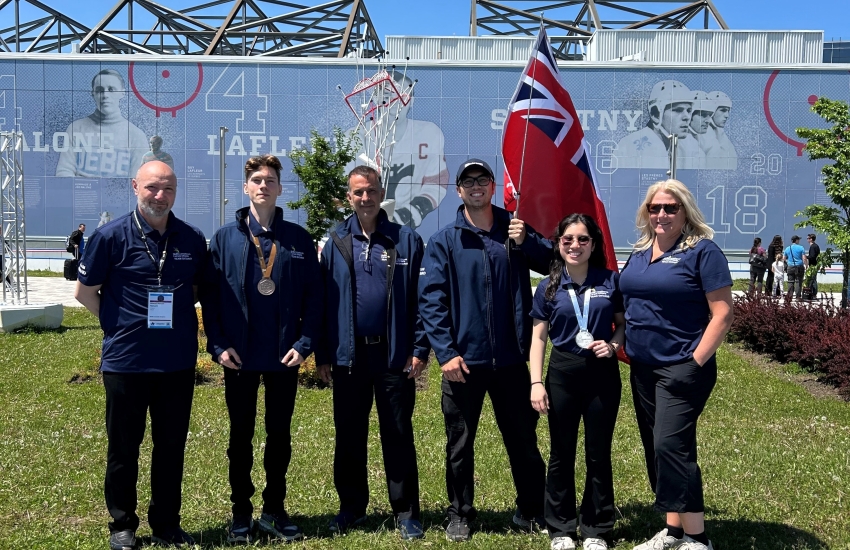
<point>594,544</point>
<point>690,544</point>
<point>661,541</point>
<point>562,543</point>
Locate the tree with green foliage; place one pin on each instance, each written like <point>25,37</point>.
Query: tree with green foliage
<point>322,171</point>
<point>831,143</point>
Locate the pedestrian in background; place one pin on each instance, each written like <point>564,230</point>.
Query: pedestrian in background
<point>778,271</point>
<point>774,248</point>
<point>795,254</point>
<point>759,263</point>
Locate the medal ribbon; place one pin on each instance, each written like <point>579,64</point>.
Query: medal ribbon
<point>265,267</point>
<point>582,319</point>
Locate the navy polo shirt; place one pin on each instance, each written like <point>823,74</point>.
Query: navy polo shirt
<point>666,308</point>
<point>262,352</point>
<point>503,326</point>
<point>370,283</point>
<point>605,301</point>
<point>116,258</point>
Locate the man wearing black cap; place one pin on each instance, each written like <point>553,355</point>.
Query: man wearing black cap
<point>475,299</point>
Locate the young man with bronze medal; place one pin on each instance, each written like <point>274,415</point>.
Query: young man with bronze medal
<point>262,305</point>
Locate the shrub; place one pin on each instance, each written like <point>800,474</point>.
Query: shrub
<point>814,335</point>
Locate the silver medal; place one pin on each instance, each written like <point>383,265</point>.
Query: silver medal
<point>584,339</point>
<point>266,286</point>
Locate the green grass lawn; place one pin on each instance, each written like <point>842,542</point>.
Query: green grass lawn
<point>776,461</point>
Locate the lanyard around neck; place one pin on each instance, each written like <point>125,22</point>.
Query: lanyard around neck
<point>159,265</point>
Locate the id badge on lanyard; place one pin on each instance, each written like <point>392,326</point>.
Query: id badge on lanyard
<point>160,298</point>
<point>161,307</point>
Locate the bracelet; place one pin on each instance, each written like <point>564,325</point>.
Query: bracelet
<point>536,383</point>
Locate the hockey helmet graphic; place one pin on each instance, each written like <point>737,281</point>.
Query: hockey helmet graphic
<point>667,92</point>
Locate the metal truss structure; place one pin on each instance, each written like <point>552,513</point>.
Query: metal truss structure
<point>13,275</point>
<point>337,28</point>
<point>571,23</point>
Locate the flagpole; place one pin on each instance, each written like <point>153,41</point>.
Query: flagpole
<point>527,118</point>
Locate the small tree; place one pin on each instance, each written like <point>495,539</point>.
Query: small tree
<point>322,171</point>
<point>833,144</point>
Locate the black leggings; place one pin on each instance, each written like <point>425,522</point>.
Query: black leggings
<point>587,389</point>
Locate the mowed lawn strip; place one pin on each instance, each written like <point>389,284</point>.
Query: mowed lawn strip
<point>775,460</point>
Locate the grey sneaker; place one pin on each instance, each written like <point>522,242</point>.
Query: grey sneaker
<point>562,543</point>
<point>279,526</point>
<point>661,541</point>
<point>241,529</point>
<point>688,543</point>
<point>593,543</point>
<point>536,525</point>
<point>458,529</point>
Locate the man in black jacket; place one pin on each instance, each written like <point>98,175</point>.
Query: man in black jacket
<point>78,242</point>
<point>262,307</point>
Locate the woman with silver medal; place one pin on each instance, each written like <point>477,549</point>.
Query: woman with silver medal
<point>578,307</point>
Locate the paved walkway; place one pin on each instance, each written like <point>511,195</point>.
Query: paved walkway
<point>56,290</point>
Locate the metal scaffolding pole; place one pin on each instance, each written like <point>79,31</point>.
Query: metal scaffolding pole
<point>12,220</point>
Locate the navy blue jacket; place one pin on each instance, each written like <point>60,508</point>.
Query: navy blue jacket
<point>406,334</point>
<point>223,298</point>
<point>455,291</point>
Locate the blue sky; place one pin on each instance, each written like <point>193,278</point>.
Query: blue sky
<point>451,17</point>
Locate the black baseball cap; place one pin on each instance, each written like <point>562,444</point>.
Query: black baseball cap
<point>474,163</point>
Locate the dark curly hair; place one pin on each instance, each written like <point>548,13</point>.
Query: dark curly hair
<point>597,255</point>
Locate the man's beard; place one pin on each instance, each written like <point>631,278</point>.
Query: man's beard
<point>154,210</point>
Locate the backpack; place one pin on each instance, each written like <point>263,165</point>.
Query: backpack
<point>69,246</point>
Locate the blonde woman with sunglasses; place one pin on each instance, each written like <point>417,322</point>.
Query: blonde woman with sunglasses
<point>677,291</point>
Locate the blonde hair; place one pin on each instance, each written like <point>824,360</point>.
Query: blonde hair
<point>695,228</point>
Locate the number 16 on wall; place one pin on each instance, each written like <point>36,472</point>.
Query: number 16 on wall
<point>750,215</point>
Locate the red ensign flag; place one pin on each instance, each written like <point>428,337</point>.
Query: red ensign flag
<point>557,176</point>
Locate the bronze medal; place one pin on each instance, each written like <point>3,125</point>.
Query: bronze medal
<point>266,286</point>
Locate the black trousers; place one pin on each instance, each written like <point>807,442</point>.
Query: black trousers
<point>509,388</point>
<point>129,396</point>
<point>394,395</point>
<point>795,280</point>
<point>240,393</point>
<point>668,402</point>
<point>581,389</point>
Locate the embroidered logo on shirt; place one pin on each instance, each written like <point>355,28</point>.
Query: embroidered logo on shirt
<point>421,271</point>
<point>384,256</point>
<point>296,255</point>
<point>82,268</point>
<point>177,255</point>
<point>401,261</point>
<point>599,293</point>
<point>670,260</point>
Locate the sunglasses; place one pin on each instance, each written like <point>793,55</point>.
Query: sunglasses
<point>568,240</point>
<point>670,209</point>
<point>481,181</point>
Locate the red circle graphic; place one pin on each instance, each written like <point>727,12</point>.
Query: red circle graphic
<point>799,145</point>
<point>159,108</point>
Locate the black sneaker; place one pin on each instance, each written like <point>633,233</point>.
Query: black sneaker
<point>410,529</point>
<point>173,537</point>
<point>458,529</point>
<point>241,529</point>
<point>280,526</point>
<point>344,521</point>
<point>122,540</point>
<point>533,525</point>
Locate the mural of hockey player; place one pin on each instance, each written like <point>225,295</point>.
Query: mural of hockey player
<point>416,176</point>
<point>690,149</point>
<point>719,152</point>
<point>103,144</point>
<point>156,153</point>
<point>670,109</point>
